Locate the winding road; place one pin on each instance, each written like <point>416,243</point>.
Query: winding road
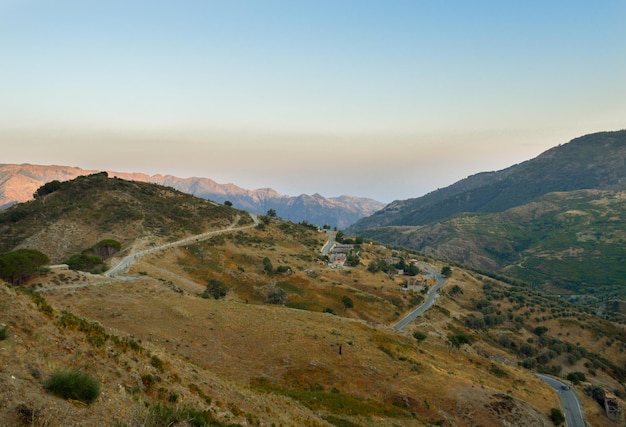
<point>430,300</point>
<point>128,260</point>
<point>569,401</point>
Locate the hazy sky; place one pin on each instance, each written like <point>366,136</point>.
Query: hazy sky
<point>386,99</point>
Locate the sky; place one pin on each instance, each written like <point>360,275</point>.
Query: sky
<point>386,99</point>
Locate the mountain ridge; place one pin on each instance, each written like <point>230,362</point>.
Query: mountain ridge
<point>579,164</point>
<point>19,182</point>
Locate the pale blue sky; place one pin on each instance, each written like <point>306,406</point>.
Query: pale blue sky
<point>382,99</point>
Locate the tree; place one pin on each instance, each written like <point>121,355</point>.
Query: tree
<point>105,248</point>
<point>271,213</point>
<point>216,289</point>
<point>419,336</point>
<point>267,266</point>
<point>557,416</point>
<point>373,266</point>
<point>18,266</point>
<point>352,259</point>
<point>84,262</point>
<point>456,341</point>
<point>412,269</point>
<point>446,271</point>
<point>228,203</point>
<point>347,302</point>
<point>47,188</point>
<point>456,290</point>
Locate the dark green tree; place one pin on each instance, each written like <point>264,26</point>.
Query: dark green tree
<point>419,336</point>
<point>446,271</point>
<point>216,288</point>
<point>18,266</point>
<point>271,213</point>
<point>268,268</point>
<point>373,266</point>
<point>456,341</point>
<point>347,302</point>
<point>47,188</point>
<point>412,269</point>
<point>352,260</point>
<point>228,203</point>
<point>557,416</point>
<point>105,248</point>
<point>84,262</point>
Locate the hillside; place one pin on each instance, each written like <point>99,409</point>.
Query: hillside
<point>572,243</point>
<point>596,161</point>
<point>166,355</point>
<point>19,182</point>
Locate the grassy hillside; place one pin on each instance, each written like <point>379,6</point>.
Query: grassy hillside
<point>76,214</point>
<point>572,243</point>
<point>167,354</point>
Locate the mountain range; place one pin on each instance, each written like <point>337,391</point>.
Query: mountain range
<point>19,182</point>
<point>557,221</point>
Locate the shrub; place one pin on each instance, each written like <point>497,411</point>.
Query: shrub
<point>157,363</point>
<point>216,288</point>
<point>419,336</point>
<point>276,296</point>
<point>73,384</point>
<point>4,333</point>
<point>557,416</point>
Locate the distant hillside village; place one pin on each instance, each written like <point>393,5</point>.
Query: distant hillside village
<point>345,252</point>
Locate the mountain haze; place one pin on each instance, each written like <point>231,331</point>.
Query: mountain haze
<point>19,182</point>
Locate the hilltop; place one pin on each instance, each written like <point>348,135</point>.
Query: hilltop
<point>19,182</point>
<point>268,351</point>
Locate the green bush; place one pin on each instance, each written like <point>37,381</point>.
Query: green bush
<point>215,288</point>
<point>84,262</point>
<point>557,416</point>
<point>73,384</point>
<point>4,333</point>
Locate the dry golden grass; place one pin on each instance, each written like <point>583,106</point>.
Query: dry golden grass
<point>272,363</point>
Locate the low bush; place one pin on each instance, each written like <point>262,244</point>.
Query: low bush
<point>4,333</point>
<point>73,384</point>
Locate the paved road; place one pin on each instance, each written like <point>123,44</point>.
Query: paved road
<point>329,243</point>
<point>571,406</point>
<point>430,299</point>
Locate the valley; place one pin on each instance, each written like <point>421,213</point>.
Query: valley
<point>220,317</point>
